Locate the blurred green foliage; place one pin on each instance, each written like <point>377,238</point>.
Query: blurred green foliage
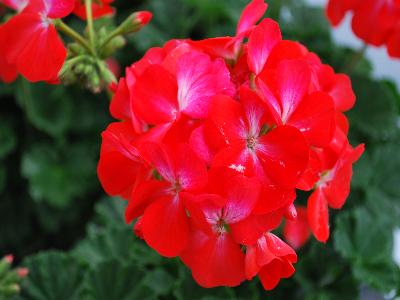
<point>51,198</point>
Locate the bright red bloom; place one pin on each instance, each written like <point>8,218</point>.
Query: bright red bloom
<point>331,190</point>
<point>271,259</point>
<point>384,14</point>
<point>98,9</point>
<point>215,138</point>
<point>31,34</point>
<point>213,255</point>
<point>165,225</point>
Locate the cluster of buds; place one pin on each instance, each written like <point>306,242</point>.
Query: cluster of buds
<point>10,279</point>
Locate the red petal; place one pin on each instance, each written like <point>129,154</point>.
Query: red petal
<point>54,9</point>
<point>285,50</point>
<point>393,44</point>
<point>200,147</point>
<point>318,216</point>
<point>190,171</point>
<point>214,260</point>
<point>315,118</point>
<point>241,199</point>
<point>155,100</point>
<point>250,15</point>
<point>225,127</point>
<point>297,232</point>
<point>336,10</point>
<point>271,274</point>
<point>337,190</point>
<point>248,231</point>
<point>273,198</point>
<point>120,164</point>
<point>292,81</point>
<point>157,155</point>
<point>200,79</point>
<point>166,226</point>
<point>279,248</point>
<point>261,41</point>
<point>284,155</point>
<point>120,104</point>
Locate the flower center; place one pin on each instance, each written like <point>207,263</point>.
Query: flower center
<point>251,142</point>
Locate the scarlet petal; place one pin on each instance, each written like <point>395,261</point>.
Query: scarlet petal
<point>155,100</point>
<point>142,196</point>
<point>157,155</point>
<point>190,170</point>
<point>338,189</point>
<point>271,274</point>
<point>120,105</point>
<point>284,155</point>
<point>214,260</point>
<point>249,230</point>
<point>318,216</point>
<point>261,42</point>
<point>250,15</point>
<point>337,9</point>
<point>273,198</point>
<point>297,232</point>
<point>200,146</point>
<point>51,8</point>
<point>120,163</point>
<point>342,93</point>
<point>394,43</point>
<point>225,126</point>
<point>200,79</point>
<point>166,226</point>
<point>315,118</point>
<point>292,80</point>
<point>241,199</point>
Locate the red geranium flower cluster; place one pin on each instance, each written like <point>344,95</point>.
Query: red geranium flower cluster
<point>377,22</point>
<point>214,139</point>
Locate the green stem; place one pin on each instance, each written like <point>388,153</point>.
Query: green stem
<point>355,59</point>
<point>89,18</point>
<point>116,32</point>
<point>73,34</point>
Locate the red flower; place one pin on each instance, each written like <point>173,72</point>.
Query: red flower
<point>216,136</point>
<point>332,189</point>
<point>31,34</point>
<point>384,14</point>
<point>271,259</point>
<point>165,225</point>
<point>99,10</point>
<point>213,255</point>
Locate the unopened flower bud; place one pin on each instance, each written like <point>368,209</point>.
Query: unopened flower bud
<point>22,272</point>
<point>9,258</point>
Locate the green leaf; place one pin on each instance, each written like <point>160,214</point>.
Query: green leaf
<point>386,166</point>
<point>367,241</point>
<point>8,139</point>
<point>48,107</point>
<point>52,276</point>
<point>58,177</point>
<point>113,280</point>
<point>381,276</point>
<point>375,113</point>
